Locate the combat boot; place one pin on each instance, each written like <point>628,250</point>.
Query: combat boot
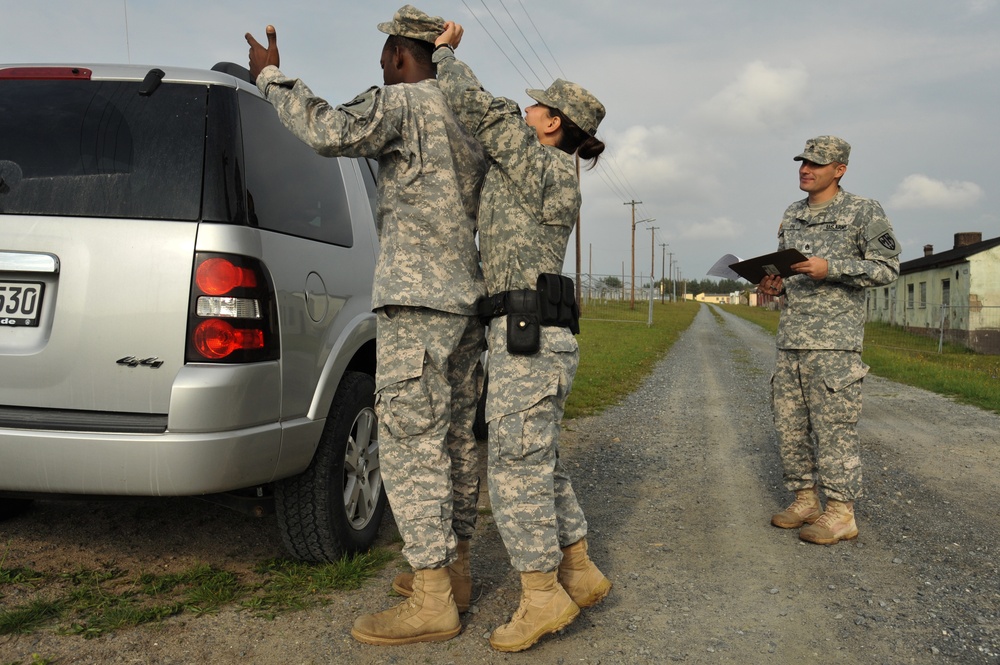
<point>805,508</point>
<point>429,615</point>
<point>834,525</point>
<point>460,571</point>
<point>584,583</point>
<point>545,608</point>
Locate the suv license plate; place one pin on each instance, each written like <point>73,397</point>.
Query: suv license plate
<point>20,303</point>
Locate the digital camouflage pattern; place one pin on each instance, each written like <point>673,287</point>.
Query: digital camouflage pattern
<point>575,102</point>
<point>819,392</point>
<point>530,203</point>
<point>855,237</point>
<point>530,198</point>
<point>427,388</point>
<point>408,21</point>
<point>430,172</point>
<point>824,150</point>
<point>816,389</point>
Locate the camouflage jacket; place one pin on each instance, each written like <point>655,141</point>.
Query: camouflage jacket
<point>530,198</point>
<point>855,237</point>
<point>430,174</point>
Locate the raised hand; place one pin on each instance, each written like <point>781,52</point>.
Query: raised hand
<point>261,57</point>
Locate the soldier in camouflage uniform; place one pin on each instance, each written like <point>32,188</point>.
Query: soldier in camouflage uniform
<point>530,203</point>
<point>427,282</point>
<point>816,388</point>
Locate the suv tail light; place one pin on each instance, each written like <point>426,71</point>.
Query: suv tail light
<point>232,314</point>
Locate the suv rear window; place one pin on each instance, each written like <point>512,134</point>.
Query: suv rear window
<point>100,149</point>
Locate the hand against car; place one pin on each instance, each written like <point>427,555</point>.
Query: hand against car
<point>771,285</point>
<point>261,57</point>
<point>451,36</point>
<point>815,267</point>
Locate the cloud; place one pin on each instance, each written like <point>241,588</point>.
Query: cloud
<point>712,229</point>
<point>919,191</point>
<point>762,98</point>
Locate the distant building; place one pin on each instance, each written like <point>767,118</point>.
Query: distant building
<point>716,298</point>
<point>957,291</point>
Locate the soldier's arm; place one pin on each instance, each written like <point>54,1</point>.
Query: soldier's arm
<point>497,124</point>
<point>877,262</point>
<point>359,128</point>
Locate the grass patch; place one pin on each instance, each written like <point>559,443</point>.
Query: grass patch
<point>913,360</point>
<point>616,357</point>
<point>91,602</point>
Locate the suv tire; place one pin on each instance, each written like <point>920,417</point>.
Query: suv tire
<point>336,505</point>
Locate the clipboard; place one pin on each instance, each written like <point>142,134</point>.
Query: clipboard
<point>777,263</point>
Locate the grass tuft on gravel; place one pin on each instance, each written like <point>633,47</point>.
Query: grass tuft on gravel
<point>93,601</point>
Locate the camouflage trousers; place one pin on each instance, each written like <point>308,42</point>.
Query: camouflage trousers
<point>816,401</point>
<point>427,386</point>
<point>531,494</point>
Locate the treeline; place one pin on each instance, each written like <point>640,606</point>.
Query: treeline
<point>711,286</point>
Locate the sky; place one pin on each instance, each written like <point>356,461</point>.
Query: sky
<point>707,101</point>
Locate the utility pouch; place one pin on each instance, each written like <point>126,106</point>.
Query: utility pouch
<point>524,332</point>
<point>557,302</point>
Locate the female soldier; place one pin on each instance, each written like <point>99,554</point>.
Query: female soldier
<point>530,201</point>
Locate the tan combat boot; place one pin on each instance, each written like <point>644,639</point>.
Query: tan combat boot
<point>584,583</point>
<point>834,525</point>
<point>429,615</point>
<point>460,571</point>
<point>805,508</point>
<point>545,608</point>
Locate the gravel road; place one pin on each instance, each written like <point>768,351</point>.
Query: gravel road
<point>678,483</point>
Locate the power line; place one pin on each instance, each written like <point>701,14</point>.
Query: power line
<point>525,38</point>
<point>537,32</point>
<point>493,16</point>
<point>500,48</point>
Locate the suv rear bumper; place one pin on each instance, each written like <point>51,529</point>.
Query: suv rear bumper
<point>168,464</point>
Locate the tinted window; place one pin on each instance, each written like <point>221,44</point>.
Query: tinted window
<point>290,188</point>
<point>99,149</point>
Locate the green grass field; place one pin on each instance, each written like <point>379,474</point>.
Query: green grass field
<point>913,359</point>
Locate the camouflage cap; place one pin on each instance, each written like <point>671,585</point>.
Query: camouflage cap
<point>823,150</point>
<point>408,21</point>
<point>575,102</point>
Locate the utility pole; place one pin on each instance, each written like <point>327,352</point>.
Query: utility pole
<point>671,273</point>
<point>652,254</point>
<point>579,258</point>
<point>663,271</point>
<point>633,203</point>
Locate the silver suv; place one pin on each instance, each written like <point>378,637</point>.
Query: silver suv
<point>185,302</point>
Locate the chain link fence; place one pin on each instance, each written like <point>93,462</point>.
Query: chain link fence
<point>939,327</point>
<point>614,298</point>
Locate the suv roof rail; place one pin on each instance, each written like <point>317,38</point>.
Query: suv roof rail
<point>233,69</point>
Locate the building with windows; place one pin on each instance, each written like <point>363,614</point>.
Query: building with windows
<point>954,294</point>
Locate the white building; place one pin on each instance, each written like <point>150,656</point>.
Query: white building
<point>957,290</point>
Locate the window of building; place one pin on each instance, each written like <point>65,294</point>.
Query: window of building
<point>923,295</point>
<point>946,292</point>
<point>885,301</point>
<point>909,296</point>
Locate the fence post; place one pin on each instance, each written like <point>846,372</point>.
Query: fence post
<point>944,315</point>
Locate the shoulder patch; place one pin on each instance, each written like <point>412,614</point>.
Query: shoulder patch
<point>887,241</point>
<point>362,104</point>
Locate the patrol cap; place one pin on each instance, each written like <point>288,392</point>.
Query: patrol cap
<point>825,149</point>
<point>575,102</point>
<point>408,21</point>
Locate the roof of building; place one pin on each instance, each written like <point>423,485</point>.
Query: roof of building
<point>946,258</point>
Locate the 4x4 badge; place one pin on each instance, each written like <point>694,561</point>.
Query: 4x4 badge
<point>132,361</point>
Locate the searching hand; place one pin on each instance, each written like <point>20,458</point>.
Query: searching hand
<point>771,285</point>
<point>261,57</point>
<point>451,36</point>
